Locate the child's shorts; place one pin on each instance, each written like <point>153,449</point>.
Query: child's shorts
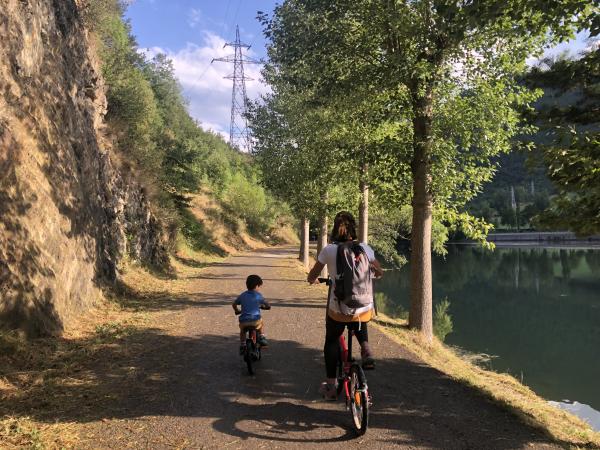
<point>255,323</point>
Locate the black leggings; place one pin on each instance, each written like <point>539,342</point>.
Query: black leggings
<point>333,331</point>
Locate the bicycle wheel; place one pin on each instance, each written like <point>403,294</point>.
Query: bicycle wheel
<point>248,355</point>
<point>359,399</point>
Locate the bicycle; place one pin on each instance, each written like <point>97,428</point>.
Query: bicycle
<point>352,381</point>
<point>252,352</point>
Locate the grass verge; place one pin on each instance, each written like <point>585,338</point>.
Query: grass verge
<point>43,381</point>
<point>564,428</point>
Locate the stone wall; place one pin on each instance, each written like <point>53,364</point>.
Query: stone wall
<point>67,214</point>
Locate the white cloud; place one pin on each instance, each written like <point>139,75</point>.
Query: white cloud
<point>209,94</point>
<point>194,17</point>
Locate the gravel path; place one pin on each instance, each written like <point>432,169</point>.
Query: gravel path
<point>190,389</point>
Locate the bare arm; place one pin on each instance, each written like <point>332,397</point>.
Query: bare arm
<point>265,305</point>
<point>314,272</point>
<point>236,308</point>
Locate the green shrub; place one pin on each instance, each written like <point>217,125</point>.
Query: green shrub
<point>442,321</point>
<point>387,306</point>
<point>247,200</point>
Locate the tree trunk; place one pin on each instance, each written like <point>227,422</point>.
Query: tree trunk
<point>420,316</point>
<point>363,209</point>
<point>322,239</point>
<point>304,236</point>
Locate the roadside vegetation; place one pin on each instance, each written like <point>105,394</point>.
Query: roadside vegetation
<point>171,155</point>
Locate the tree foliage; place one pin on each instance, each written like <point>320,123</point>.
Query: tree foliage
<point>429,85</point>
<point>154,132</point>
<point>569,119</point>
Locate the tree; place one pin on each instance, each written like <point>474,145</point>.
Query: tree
<point>289,170</point>
<point>572,141</point>
<point>447,68</point>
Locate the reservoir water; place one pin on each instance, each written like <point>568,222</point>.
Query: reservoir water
<point>534,311</point>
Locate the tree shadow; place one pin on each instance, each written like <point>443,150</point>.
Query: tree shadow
<point>141,373</point>
<point>24,302</point>
<point>131,299</point>
<point>190,262</point>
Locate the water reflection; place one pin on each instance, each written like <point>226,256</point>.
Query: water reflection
<point>536,309</point>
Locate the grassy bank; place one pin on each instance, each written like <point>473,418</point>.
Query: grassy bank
<point>565,428</point>
<point>41,379</point>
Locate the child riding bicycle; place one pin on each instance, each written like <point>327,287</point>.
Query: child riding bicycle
<point>248,306</point>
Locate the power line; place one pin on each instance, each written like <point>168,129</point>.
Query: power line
<point>226,13</point>
<point>237,10</point>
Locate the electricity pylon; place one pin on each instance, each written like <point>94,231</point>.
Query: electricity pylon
<point>239,134</point>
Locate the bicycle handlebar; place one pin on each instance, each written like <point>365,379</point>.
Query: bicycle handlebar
<point>327,281</point>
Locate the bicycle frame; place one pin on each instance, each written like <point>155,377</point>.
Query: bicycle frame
<point>347,362</point>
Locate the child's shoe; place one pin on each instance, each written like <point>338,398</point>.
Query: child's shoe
<point>328,391</point>
<point>262,341</point>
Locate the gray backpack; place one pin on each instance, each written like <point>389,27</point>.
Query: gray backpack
<point>353,284</point>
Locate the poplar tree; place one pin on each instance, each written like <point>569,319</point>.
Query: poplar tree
<point>447,68</point>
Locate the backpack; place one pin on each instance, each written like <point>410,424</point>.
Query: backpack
<point>353,285</point>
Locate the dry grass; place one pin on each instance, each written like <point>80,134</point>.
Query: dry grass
<point>565,428</point>
<point>37,377</point>
<point>23,433</point>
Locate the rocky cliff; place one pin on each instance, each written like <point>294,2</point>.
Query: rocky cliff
<point>67,214</point>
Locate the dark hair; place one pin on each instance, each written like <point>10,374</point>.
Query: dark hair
<point>253,281</point>
<point>344,227</point>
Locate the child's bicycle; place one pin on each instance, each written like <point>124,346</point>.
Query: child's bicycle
<point>252,352</point>
<point>352,381</point>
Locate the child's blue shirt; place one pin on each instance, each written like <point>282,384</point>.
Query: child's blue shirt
<point>250,302</point>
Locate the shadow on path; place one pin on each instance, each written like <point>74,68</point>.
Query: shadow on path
<point>148,373</point>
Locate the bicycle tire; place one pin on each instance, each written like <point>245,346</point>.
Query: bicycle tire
<point>359,399</point>
<point>248,356</point>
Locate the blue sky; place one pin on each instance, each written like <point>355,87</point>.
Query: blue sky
<point>193,32</point>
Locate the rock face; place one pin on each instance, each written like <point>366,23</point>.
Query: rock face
<point>67,214</point>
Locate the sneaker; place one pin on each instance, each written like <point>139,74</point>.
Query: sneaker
<point>328,391</point>
<point>242,349</point>
<point>368,363</point>
<point>262,341</point>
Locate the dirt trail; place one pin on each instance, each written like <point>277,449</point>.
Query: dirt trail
<point>188,388</point>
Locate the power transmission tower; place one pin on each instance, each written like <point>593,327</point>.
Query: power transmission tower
<point>239,134</point>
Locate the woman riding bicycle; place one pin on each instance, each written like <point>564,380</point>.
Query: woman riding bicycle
<point>338,314</point>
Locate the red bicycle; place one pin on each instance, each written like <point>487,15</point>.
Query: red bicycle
<point>352,381</point>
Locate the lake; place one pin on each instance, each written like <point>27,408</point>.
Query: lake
<point>534,311</point>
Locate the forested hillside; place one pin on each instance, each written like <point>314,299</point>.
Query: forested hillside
<point>539,186</point>
<point>519,191</point>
